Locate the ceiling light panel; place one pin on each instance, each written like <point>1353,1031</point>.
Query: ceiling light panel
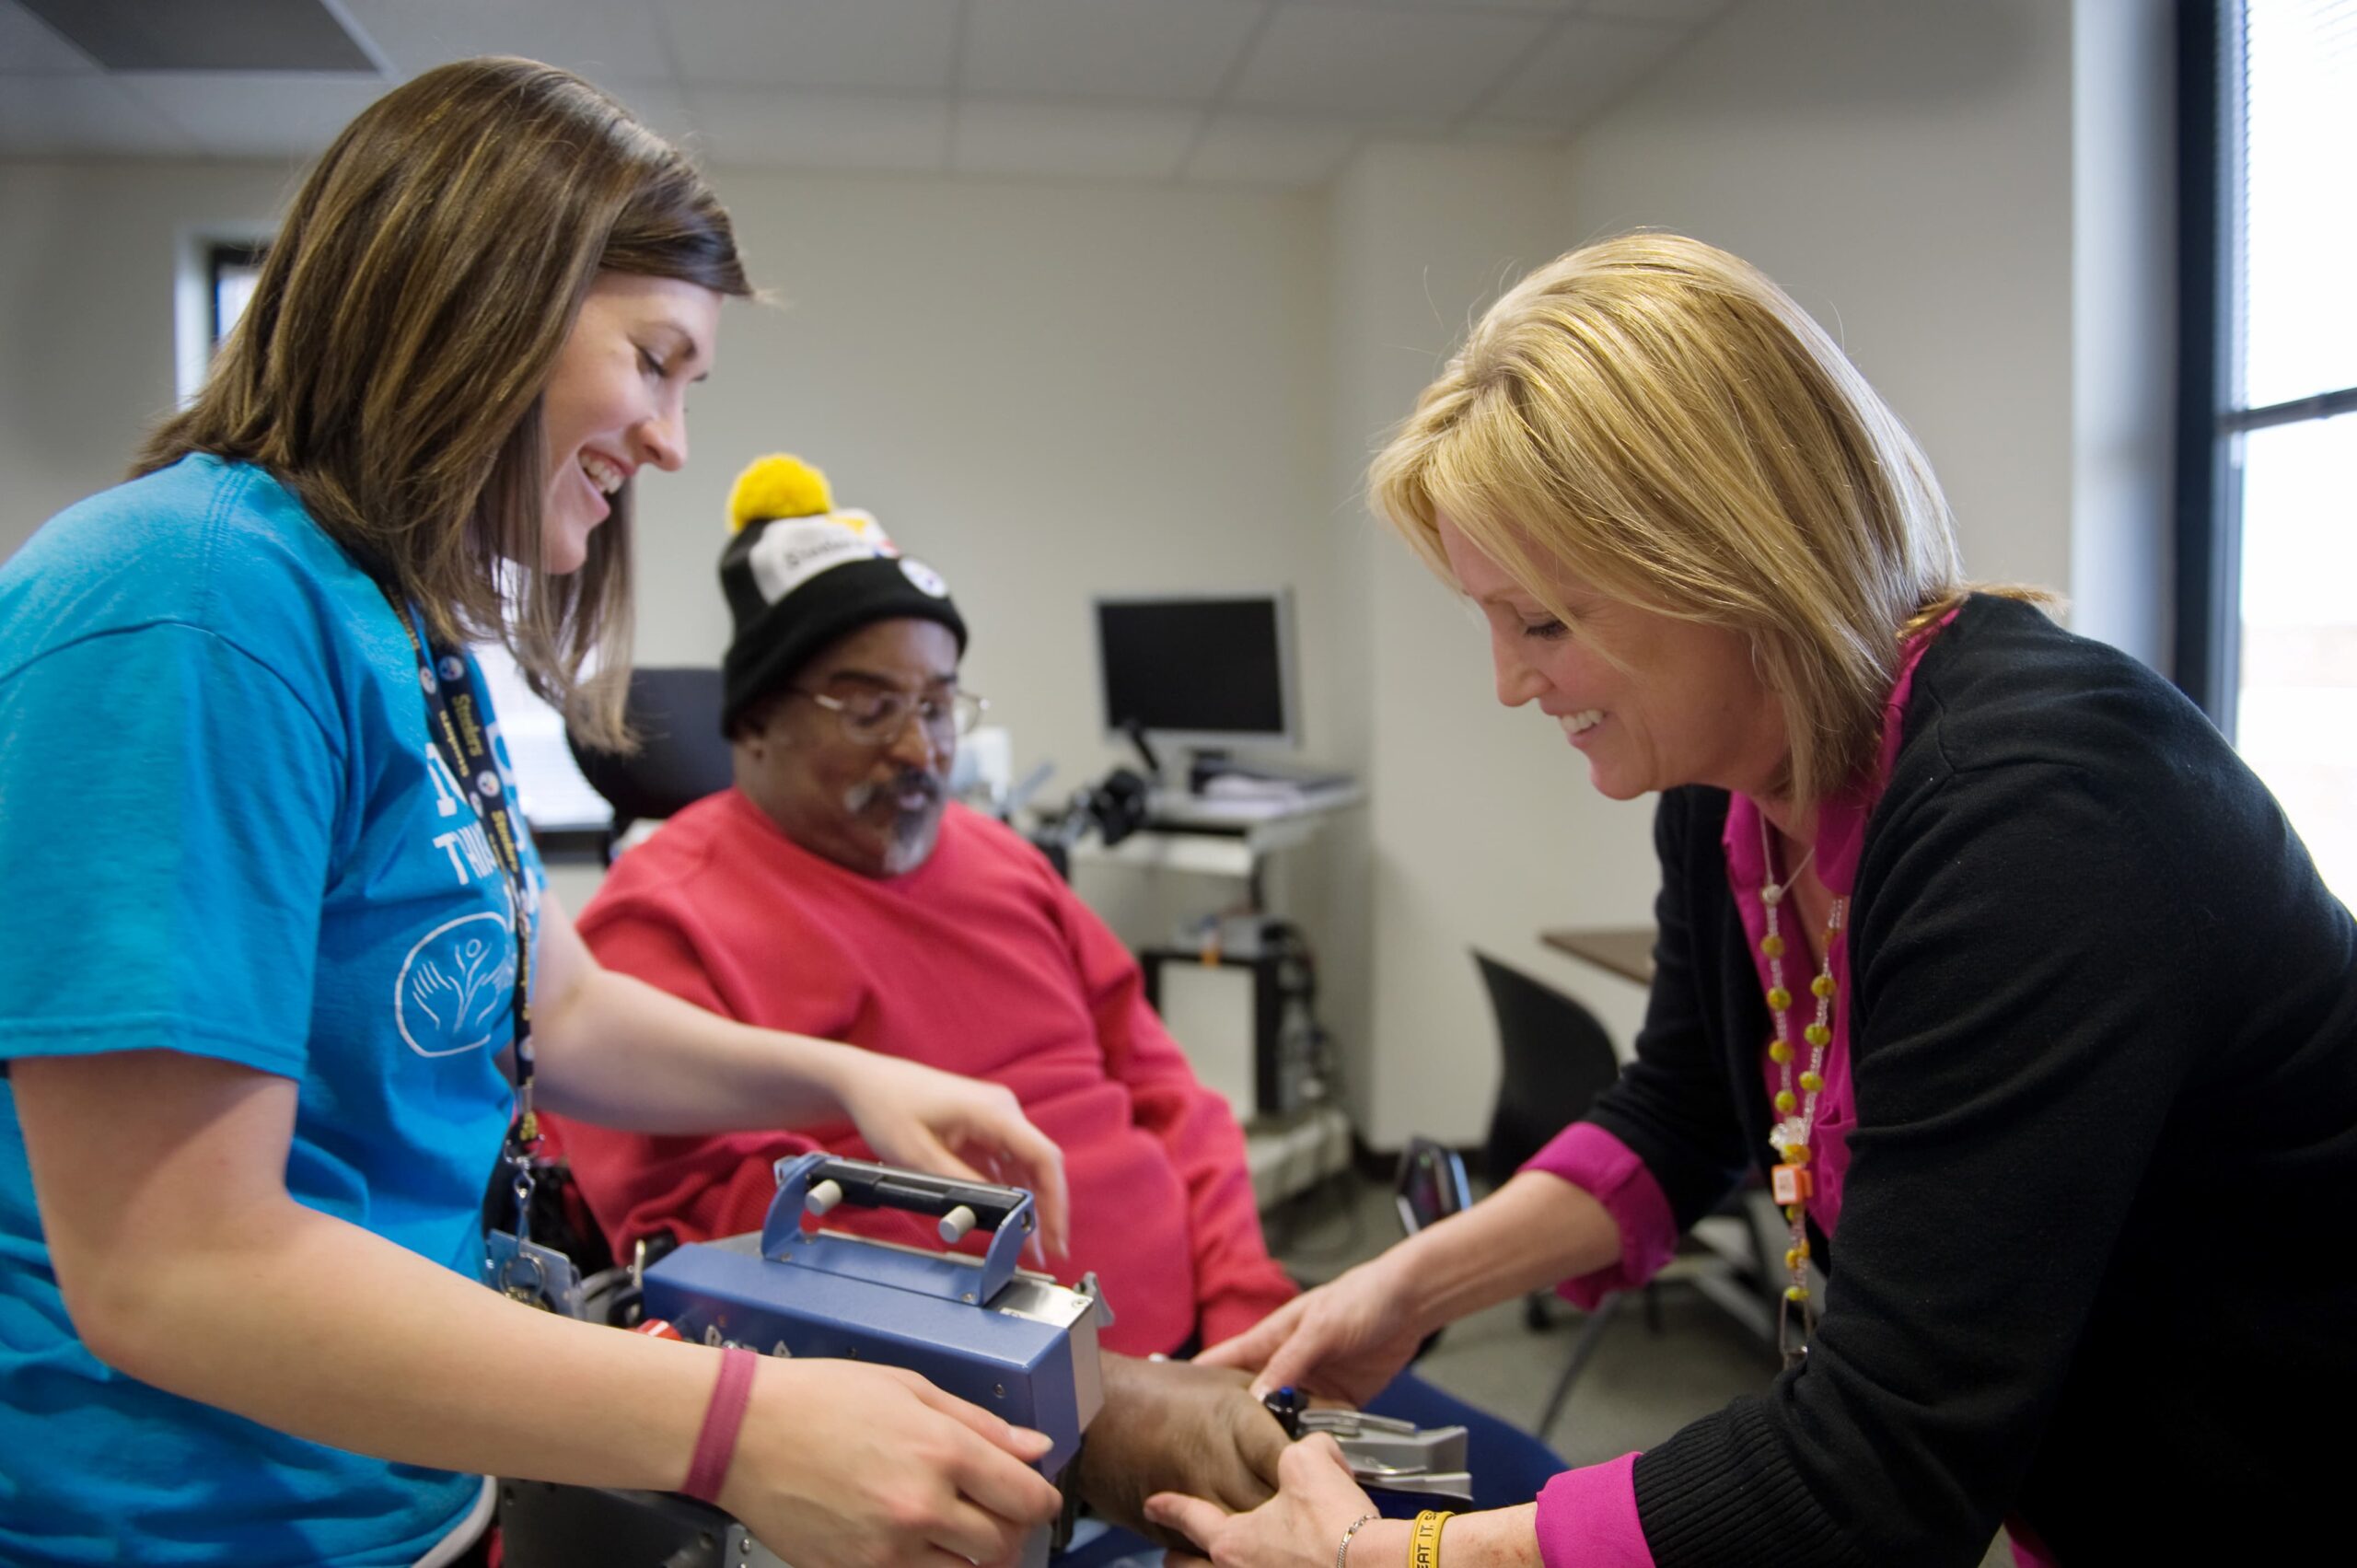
<point>30,47</point>
<point>205,35</point>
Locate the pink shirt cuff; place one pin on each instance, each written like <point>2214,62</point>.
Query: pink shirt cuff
<point>1607,1169</point>
<point>1587,1518</point>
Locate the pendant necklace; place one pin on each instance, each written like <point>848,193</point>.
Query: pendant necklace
<point>1790,1181</point>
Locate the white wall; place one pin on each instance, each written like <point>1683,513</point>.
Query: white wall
<point>1481,832</point>
<point>1049,390</point>
<point>87,259</point>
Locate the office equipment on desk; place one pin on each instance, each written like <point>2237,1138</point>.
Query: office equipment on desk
<point>1624,950</point>
<point>1204,670</point>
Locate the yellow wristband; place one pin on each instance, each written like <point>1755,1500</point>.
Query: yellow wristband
<point>1423,1547</point>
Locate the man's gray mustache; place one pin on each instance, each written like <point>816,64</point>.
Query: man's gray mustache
<point>863,795</point>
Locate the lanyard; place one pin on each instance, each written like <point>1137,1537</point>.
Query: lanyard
<point>454,722</point>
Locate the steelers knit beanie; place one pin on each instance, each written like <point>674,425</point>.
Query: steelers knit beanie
<point>799,575</point>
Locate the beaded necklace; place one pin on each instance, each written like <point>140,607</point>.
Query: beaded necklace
<point>1790,1182</point>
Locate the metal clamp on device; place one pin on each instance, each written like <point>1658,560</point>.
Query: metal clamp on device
<point>1385,1455</point>
<point>1015,1344</point>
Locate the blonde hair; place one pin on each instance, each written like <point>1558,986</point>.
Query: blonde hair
<point>1656,417</point>
<point>390,365</point>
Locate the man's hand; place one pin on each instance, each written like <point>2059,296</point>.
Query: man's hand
<point>1174,1426</point>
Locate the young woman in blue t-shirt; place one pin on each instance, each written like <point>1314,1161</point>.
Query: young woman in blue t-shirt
<point>269,906</point>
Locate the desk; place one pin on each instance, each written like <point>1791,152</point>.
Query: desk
<point>1624,950</point>
<point>1221,838</point>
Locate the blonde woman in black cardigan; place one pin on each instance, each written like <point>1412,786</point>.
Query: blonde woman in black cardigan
<point>1976,938</point>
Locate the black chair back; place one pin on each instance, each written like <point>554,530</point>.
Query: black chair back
<point>1557,1060</point>
<point>682,755</point>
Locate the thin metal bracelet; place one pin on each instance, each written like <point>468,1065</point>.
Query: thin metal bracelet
<point>1343,1553</point>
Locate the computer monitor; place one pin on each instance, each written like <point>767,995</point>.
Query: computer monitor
<point>1209,670</point>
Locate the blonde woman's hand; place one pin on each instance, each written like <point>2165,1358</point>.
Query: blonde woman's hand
<point>926,1119</point>
<point>844,1465</point>
<point>1345,1340</point>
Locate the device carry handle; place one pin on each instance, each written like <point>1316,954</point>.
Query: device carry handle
<point>822,1182</point>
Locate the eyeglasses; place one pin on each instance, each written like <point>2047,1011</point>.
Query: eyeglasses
<point>879,717</point>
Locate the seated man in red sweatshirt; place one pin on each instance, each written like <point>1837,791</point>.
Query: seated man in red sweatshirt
<point>836,891</point>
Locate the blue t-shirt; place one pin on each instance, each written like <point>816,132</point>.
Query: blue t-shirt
<point>224,831</point>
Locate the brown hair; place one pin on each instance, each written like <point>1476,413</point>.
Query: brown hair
<point>391,365</point>
<point>1654,416</point>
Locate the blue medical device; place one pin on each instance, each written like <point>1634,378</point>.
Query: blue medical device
<point>1010,1340</point>
<point>1016,1343</point>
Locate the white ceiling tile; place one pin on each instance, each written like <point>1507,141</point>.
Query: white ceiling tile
<point>28,47</point>
<point>1008,136</point>
<point>1420,67</point>
<point>842,45</point>
<point>606,41</point>
<point>774,129</point>
<point>1678,11</point>
<point>255,114</point>
<point>1262,149</point>
<point>1555,6</point>
<point>1149,49</point>
<point>1579,70</point>
<point>45,116</point>
<point>1519,133</point>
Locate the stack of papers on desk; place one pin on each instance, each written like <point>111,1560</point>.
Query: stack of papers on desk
<point>1254,786</point>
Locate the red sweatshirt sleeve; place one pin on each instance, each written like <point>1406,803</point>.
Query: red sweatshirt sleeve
<point>1237,1282</point>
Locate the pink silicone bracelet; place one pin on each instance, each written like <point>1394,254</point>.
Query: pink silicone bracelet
<point>716,1443</point>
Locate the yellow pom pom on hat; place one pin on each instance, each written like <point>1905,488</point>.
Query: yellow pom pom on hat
<point>780,485</point>
<point>797,574</point>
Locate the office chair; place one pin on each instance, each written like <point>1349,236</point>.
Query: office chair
<point>682,755</point>
<point>1557,1059</point>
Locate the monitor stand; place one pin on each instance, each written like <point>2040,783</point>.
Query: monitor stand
<point>1136,732</point>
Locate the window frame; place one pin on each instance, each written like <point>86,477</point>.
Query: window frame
<point>2212,77</point>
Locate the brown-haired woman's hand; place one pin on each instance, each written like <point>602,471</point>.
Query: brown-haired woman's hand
<point>844,1465</point>
<point>927,1120</point>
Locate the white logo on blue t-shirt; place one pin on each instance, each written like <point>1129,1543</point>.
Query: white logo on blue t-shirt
<point>455,985</point>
